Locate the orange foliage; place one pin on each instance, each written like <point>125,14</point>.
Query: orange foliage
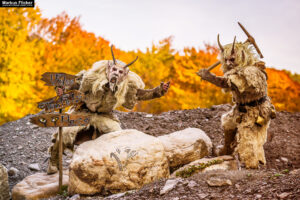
<point>284,92</point>
<point>31,45</point>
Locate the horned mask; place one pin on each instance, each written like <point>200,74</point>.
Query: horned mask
<point>117,71</point>
<point>237,54</point>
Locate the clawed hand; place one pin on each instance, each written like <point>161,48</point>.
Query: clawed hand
<point>203,73</point>
<point>165,86</point>
<point>59,91</point>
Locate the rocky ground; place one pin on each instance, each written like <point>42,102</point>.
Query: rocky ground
<point>23,150</point>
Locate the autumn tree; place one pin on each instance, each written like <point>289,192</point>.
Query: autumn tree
<point>20,54</point>
<point>31,45</point>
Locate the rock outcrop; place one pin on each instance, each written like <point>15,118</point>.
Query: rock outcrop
<point>4,188</point>
<point>117,162</point>
<point>185,146</point>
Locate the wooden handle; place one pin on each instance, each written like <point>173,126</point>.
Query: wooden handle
<point>213,66</point>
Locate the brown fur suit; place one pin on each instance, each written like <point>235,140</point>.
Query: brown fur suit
<point>245,125</point>
<point>99,103</point>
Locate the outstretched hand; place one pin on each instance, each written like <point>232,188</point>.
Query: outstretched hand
<point>59,91</point>
<point>203,73</point>
<point>165,86</point>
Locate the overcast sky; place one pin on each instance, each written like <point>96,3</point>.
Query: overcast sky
<point>136,24</point>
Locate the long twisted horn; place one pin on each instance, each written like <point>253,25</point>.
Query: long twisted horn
<point>131,62</point>
<point>232,50</point>
<point>112,53</point>
<point>251,40</point>
<point>220,45</point>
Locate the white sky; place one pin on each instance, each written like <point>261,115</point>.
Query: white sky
<point>136,24</point>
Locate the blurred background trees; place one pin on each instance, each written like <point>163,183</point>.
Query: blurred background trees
<point>31,45</point>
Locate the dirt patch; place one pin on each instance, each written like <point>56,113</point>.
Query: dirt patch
<point>246,184</point>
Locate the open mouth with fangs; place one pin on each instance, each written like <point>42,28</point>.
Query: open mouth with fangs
<point>113,80</point>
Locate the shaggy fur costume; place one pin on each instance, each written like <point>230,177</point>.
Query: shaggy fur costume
<point>99,103</point>
<point>245,125</point>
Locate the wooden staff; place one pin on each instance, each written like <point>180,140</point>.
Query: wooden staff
<point>211,67</point>
<point>60,156</point>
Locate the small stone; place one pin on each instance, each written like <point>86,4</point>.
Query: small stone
<point>34,167</point>
<point>176,198</point>
<point>170,185</point>
<point>264,183</point>
<point>192,184</point>
<point>237,186</point>
<point>284,159</point>
<point>295,171</point>
<point>149,115</point>
<point>75,197</point>
<point>218,182</point>
<point>248,191</point>
<point>277,160</point>
<point>258,196</point>
<point>20,147</point>
<point>116,196</point>
<point>13,171</point>
<point>28,123</point>
<point>283,195</point>
<point>202,195</point>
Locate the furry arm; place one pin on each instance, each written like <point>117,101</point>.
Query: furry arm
<point>135,94</point>
<point>216,80</point>
<point>150,94</point>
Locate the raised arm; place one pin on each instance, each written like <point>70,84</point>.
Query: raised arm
<point>216,80</point>
<point>157,92</point>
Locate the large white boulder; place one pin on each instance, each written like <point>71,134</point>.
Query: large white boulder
<point>4,188</point>
<point>185,146</point>
<point>117,162</point>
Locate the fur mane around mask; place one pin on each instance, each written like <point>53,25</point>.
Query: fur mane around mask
<point>95,78</point>
<point>246,49</point>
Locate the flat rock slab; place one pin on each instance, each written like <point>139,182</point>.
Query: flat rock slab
<point>205,165</point>
<point>39,185</point>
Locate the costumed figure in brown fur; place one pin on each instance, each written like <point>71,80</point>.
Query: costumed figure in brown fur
<point>245,125</point>
<point>107,85</point>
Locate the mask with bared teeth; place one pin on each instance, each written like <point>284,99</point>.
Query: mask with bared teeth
<point>116,71</point>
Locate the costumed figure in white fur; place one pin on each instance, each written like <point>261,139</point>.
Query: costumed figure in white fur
<point>107,85</point>
<point>245,125</point>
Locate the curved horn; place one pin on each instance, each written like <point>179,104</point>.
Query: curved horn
<point>243,56</point>
<point>251,40</point>
<point>232,50</point>
<point>131,62</point>
<point>112,53</point>
<point>220,45</point>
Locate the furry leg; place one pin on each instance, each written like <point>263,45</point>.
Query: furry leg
<point>68,136</point>
<point>105,124</point>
